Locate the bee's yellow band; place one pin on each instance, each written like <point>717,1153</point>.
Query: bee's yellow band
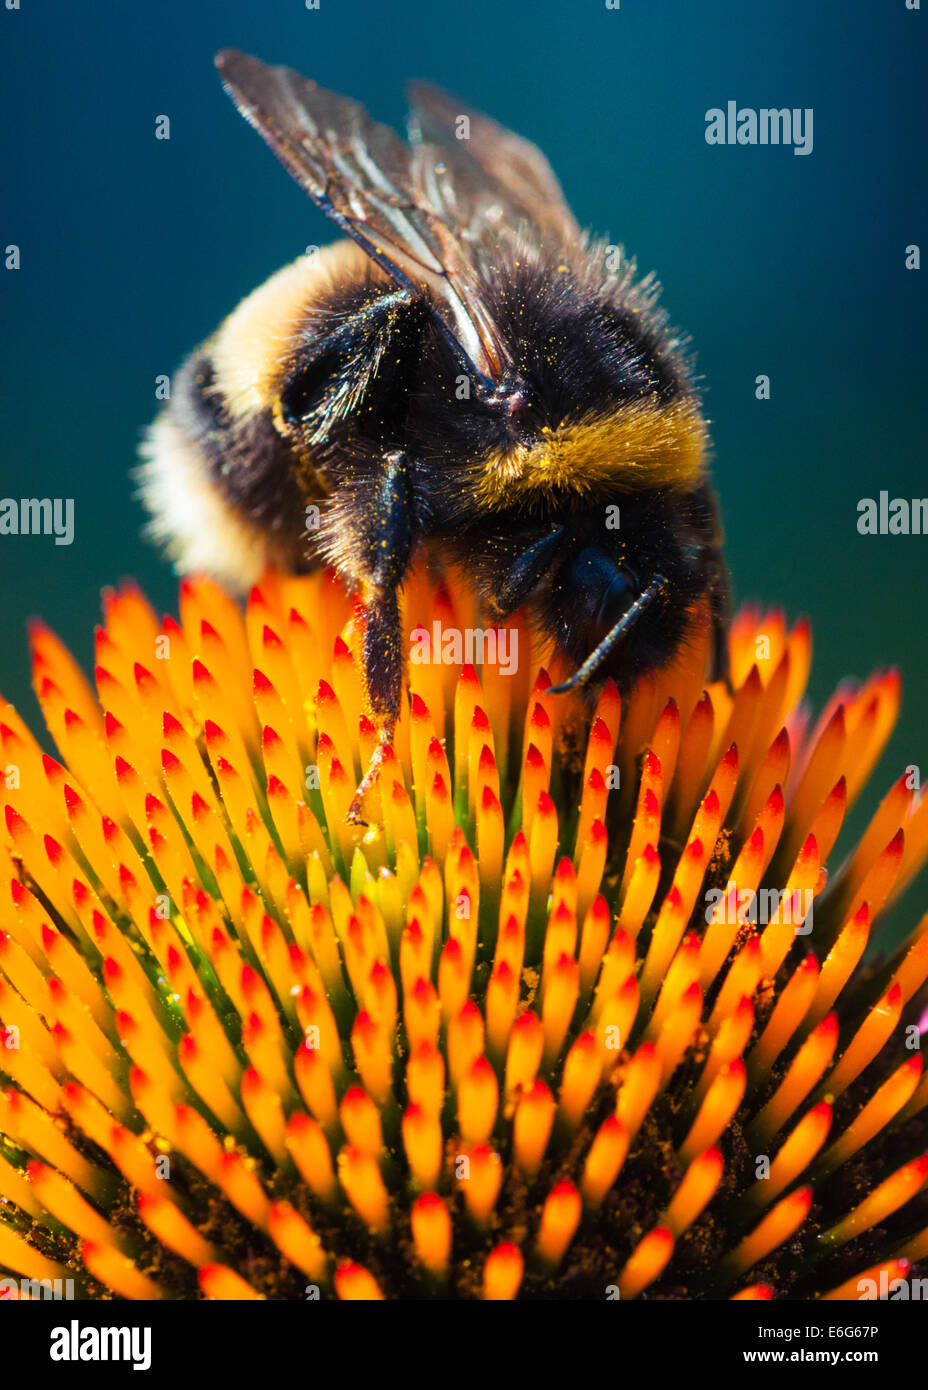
<point>641,445</point>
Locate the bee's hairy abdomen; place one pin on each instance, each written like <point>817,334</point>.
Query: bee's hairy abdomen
<point>228,490</point>
<point>221,492</point>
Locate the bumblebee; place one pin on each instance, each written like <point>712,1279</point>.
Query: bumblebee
<point>464,376</point>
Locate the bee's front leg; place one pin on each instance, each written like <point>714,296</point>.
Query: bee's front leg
<point>524,574</point>
<point>385,548</point>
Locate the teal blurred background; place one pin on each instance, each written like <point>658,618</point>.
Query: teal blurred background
<point>134,249</point>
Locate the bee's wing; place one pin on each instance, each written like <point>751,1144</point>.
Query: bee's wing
<point>365,178</point>
<point>516,174</point>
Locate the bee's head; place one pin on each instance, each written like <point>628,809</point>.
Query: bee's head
<point>595,587</point>
<point>655,556</point>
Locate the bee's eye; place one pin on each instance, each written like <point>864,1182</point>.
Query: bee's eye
<point>358,366</point>
<point>305,391</point>
<point>605,587</point>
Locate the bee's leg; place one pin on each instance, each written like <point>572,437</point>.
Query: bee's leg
<point>385,550</point>
<point>383,672</point>
<point>522,576</point>
<point>614,635</point>
<point>384,739</point>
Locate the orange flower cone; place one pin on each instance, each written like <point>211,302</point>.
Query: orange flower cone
<point>585,1005</point>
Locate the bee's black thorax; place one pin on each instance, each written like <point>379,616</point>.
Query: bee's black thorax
<point>580,348</point>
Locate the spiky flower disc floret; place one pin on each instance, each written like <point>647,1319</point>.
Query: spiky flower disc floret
<point>580,1009</point>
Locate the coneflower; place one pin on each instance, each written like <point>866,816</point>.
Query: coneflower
<point>579,1013</point>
